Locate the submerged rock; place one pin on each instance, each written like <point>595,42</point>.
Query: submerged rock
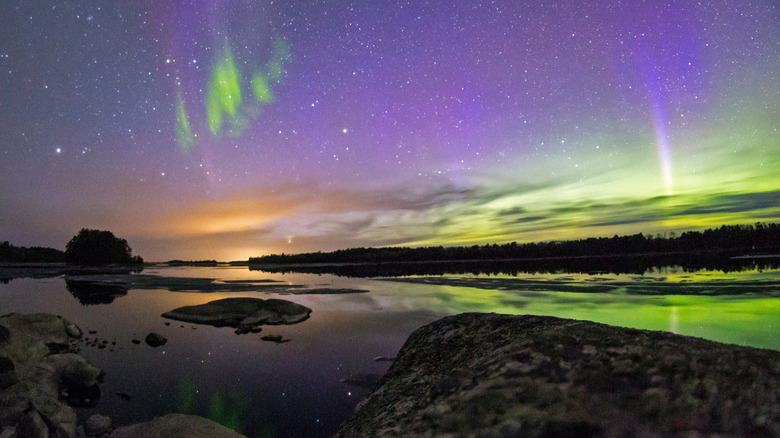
<point>533,376</point>
<point>176,426</point>
<point>244,314</point>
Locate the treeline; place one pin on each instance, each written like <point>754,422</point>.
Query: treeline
<point>728,240</point>
<point>177,262</point>
<point>34,254</point>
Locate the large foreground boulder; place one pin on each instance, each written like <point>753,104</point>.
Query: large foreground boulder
<point>244,314</point>
<point>176,426</point>
<point>490,375</point>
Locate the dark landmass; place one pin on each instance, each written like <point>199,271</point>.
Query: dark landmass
<point>192,263</point>
<point>494,375</point>
<point>35,254</point>
<point>99,248</point>
<point>617,264</point>
<point>637,285</point>
<point>624,253</point>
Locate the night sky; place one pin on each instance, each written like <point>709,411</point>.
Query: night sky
<point>224,129</point>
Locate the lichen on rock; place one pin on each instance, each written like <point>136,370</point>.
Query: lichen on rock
<point>533,376</point>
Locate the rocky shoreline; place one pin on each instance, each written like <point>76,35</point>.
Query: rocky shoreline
<point>489,375</point>
<point>42,379</point>
<point>473,374</point>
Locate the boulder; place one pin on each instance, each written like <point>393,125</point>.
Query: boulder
<point>244,314</point>
<point>75,371</point>
<point>35,378</point>
<point>32,426</point>
<point>72,329</point>
<point>7,372</point>
<point>31,334</point>
<point>155,340</point>
<point>97,425</point>
<point>533,376</point>
<point>175,426</point>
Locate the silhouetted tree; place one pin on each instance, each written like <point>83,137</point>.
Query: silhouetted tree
<point>98,248</point>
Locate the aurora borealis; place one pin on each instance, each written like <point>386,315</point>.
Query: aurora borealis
<point>228,129</point>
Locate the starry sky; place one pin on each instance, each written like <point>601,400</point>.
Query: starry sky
<point>225,129</point>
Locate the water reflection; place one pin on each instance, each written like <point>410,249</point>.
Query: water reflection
<point>307,386</point>
<point>638,265</point>
<point>92,294</point>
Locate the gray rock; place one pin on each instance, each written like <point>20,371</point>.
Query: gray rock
<point>75,371</point>
<point>72,329</point>
<point>155,340</point>
<point>31,334</point>
<point>4,335</point>
<point>493,375</point>
<point>41,375</point>
<point>244,314</point>
<point>32,426</point>
<point>7,372</point>
<point>97,425</point>
<point>176,426</point>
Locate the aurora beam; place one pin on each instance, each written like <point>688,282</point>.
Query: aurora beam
<point>663,144</point>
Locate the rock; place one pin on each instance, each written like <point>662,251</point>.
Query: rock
<point>272,338</point>
<point>7,372</point>
<point>4,335</point>
<point>532,376</point>
<point>384,359</point>
<point>244,314</point>
<point>136,341</point>
<point>31,334</point>
<point>43,377</point>
<point>72,329</point>
<point>97,425</point>
<point>32,426</point>
<point>176,426</point>
<point>75,371</point>
<point>155,340</point>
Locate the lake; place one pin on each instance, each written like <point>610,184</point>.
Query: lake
<point>309,385</point>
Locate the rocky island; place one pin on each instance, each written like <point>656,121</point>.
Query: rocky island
<point>245,314</point>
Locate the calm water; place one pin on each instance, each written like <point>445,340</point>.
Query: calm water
<point>297,388</point>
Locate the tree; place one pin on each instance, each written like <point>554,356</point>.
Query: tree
<point>98,248</point>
